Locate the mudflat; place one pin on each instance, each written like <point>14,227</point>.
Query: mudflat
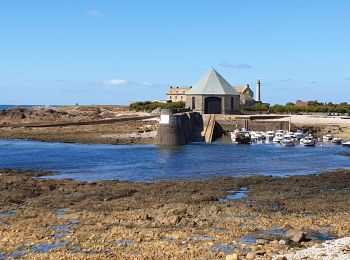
<point>21,123</point>
<point>44,218</point>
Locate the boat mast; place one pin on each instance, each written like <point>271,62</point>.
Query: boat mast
<point>289,124</point>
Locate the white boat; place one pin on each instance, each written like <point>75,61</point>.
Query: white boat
<point>299,134</point>
<point>257,136</point>
<point>346,144</point>
<point>241,136</point>
<point>269,135</point>
<point>308,141</point>
<point>288,142</point>
<point>336,140</point>
<point>327,138</point>
<point>278,137</point>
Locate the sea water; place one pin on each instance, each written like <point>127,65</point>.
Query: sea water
<point>150,162</point>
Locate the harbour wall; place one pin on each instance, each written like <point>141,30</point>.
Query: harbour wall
<point>179,128</point>
<point>256,125</point>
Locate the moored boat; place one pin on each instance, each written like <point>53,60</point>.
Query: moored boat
<point>257,136</point>
<point>241,136</point>
<point>346,144</point>
<point>269,135</point>
<point>308,141</point>
<point>327,138</point>
<point>288,142</point>
<point>299,134</point>
<point>336,140</point>
<point>279,136</point>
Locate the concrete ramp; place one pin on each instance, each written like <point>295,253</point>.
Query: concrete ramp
<point>209,129</point>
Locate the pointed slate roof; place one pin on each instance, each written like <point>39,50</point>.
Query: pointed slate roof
<point>212,84</point>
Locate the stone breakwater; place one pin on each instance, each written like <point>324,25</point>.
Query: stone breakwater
<point>331,250</point>
<point>195,219</point>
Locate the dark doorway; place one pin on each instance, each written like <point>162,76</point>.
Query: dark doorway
<point>212,105</point>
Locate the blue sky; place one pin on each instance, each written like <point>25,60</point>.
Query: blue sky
<point>114,52</point>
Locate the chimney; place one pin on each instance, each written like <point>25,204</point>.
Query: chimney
<point>258,91</point>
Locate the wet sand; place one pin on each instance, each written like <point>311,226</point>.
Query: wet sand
<point>56,219</point>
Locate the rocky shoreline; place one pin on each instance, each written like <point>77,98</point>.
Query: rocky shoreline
<point>18,123</point>
<point>243,217</point>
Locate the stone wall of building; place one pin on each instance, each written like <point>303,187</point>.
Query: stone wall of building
<point>225,103</point>
<point>199,103</point>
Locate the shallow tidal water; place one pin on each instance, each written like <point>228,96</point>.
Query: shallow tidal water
<point>150,162</point>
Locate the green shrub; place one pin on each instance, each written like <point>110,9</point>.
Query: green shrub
<point>150,106</point>
<point>315,106</point>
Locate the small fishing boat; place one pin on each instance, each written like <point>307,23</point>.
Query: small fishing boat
<point>299,134</point>
<point>336,140</point>
<point>269,135</point>
<point>288,142</point>
<point>346,144</point>
<point>327,138</point>
<point>241,136</point>
<point>257,136</point>
<point>308,141</point>
<point>279,136</point>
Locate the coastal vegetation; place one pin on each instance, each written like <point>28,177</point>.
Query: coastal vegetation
<point>149,106</point>
<point>313,107</point>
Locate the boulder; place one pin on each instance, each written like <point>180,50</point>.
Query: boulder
<point>232,257</point>
<point>262,241</point>
<point>281,257</point>
<point>260,252</point>
<point>296,235</point>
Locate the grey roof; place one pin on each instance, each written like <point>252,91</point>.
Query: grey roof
<point>212,84</point>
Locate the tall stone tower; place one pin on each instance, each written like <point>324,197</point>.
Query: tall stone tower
<point>258,91</point>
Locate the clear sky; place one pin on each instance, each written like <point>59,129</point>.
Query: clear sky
<point>114,52</point>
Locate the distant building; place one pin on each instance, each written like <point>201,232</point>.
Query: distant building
<point>246,95</point>
<point>213,84</point>
<point>301,103</point>
<point>176,94</point>
<point>213,95</point>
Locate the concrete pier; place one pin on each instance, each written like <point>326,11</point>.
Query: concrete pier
<point>178,128</point>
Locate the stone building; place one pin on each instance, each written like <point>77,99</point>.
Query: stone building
<point>213,95</point>
<point>246,95</point>
<point>176,94</point>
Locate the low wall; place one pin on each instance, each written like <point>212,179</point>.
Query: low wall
<point>178,128</point>
<point>231,125</point>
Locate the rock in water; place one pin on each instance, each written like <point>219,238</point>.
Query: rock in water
<point>296,235</point>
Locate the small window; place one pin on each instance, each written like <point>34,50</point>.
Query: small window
<point>181,97</point>
<point>193,102</point>
<point>175,97</point>
<point>170,97</point>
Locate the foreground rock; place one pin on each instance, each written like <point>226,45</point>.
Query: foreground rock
<point>296,235</point>
<point>338,249</point>
<point>67,219</point>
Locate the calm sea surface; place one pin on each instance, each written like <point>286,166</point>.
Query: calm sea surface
<point>149,162</point>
